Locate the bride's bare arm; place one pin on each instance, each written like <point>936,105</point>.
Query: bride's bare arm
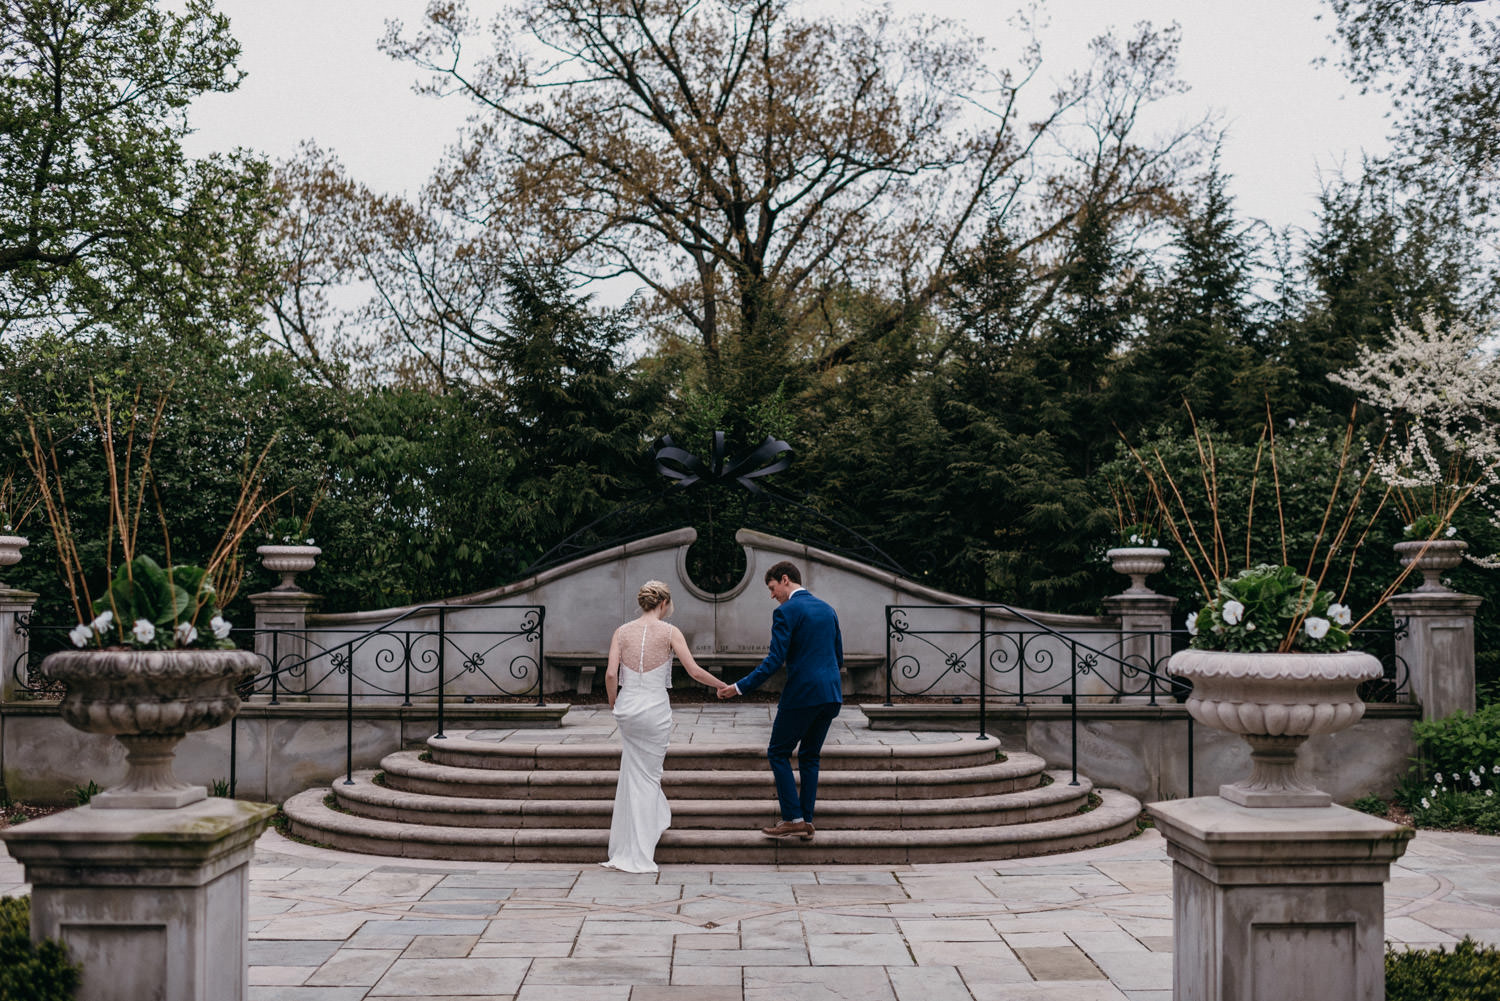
<point>685,656</point>
<point>612,672</point>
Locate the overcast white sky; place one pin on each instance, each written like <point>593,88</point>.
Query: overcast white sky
<point>315,73</point>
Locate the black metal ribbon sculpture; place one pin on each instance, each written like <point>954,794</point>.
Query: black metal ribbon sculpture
<point>771,456</point>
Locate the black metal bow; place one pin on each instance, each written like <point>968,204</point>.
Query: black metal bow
<point>687,469</point>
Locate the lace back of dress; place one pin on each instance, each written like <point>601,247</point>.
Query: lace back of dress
<point>653,648</point>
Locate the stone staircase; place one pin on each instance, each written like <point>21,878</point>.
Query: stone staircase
<point>947,801</point>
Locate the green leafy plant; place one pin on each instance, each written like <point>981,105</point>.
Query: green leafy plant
<point>1471,972</point>
<point>81,794</point>
<point>1373,805</point>
<point>1428,526</point>
<point>1270,608</point>
<point>1265,607</point>
<point>1456,780</point>
<point>146,605</point>
<point>219,788</point>
<point>32,971</point>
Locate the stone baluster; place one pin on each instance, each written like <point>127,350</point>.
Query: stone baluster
<point>15,610</point>
<point>1435,640</point>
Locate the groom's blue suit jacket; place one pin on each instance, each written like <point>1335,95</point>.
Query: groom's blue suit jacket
<point>805,637</point>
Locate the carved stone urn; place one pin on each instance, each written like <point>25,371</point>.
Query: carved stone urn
<point>10,550</point>
<point>149,700</point>
<point>1137,562</point>
<point>288,561</point>
<point>1432,557</point>
<point>1275,701</point>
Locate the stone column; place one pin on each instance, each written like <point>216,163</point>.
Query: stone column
<point>1145,642</point>
<point>153,903</point>
<point>281,628</point>
<point>15,608</point>
<point>1271,904</point>
<point>1437,646</point>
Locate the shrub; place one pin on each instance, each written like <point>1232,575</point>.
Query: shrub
<point>31,971</point>
<point>1462,742</point>
<point>1469,973</point>
<point>1457,780</point>
<point>1373,805</point>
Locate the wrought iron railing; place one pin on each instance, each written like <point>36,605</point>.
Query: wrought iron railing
<point>997,652</point>
<point>420,654</point>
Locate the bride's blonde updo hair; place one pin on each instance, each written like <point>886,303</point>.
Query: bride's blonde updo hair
<point>653,594</point>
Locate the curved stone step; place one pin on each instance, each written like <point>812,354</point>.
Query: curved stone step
<point>366,798</point>
<point>463,749</point>
<point>1113,819</point>
<point>404,770</point>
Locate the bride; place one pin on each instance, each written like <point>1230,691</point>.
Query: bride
<point>639,674</point>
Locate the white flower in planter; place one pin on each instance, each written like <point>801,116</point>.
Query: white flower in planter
<point>186,634</point>
<point>220,627</point>
<point>1340,614</point>
<point>1192,628</point>
<point>1233,612</point>
<point>1316,628</point>
<point>105,619</point>
<point>81,635</point>
<point>144,632</point>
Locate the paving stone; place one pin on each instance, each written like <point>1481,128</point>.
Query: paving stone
<point>1037,940</point>
<point>451,976</point>
<point>1106,941</point>
<point>550,929</point>
<point>567,992</point>
<point>591,972</point>
<point>743,957</point>
<point>1057,990</point>
<point>928,983</point>
<point>622,945</point>
<point>947,930</point>
<point>963,954</point>
<point>353,968</point>
<point>822,896</point>
<point>1140,971</point>
<point>528,950</point>
<point>311,926</point>
<point>280,975</point>
<point>278,993</point>
<point>679,993</point>
<point>817,984</point>
<point>821,923</point>
<point>1159,943</point>
<point>708,976</point>
<point>1059,963</point>
<point>296,952</point>
<point>858,950</point>
<point>440,946</point>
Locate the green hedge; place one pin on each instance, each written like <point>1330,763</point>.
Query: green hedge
<point>31,972</point>
<point>1470,972</point>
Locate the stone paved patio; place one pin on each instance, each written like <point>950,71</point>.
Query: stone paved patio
<point>331,926</point>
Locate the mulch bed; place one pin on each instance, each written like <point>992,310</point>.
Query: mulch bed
<point>19,813</point>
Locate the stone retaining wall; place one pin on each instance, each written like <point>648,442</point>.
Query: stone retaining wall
<point>284,749</point>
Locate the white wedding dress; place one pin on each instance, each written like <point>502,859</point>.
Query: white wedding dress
<point>643,714</point>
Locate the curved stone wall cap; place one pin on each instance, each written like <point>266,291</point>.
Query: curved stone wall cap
<point>1347,665</point>
<point>677,538</point>
<point>750,538</point>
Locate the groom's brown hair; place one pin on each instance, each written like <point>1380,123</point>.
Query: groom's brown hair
<point>786,568</point>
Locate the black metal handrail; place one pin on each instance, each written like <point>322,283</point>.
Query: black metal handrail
<point>1021,662</point>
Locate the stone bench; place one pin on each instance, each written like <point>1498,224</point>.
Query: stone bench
<point>579,672</point>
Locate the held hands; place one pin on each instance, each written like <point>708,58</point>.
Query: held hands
<point>728,691</point>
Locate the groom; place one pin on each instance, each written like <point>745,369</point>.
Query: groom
<point>804,637</point>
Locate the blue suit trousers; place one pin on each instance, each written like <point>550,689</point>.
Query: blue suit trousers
<point>801,729</point>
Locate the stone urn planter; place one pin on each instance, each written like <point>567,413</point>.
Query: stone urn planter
<point>1275,701</point>
<point>288,561</point>
<point>10,550</point>
<point>149,700</point>
<point>1432,558</point>
<point>1137,562</point>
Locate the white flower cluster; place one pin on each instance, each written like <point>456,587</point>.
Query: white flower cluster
<point>142,632</point>
<point>1440,790</point>
<point>1440,391</point>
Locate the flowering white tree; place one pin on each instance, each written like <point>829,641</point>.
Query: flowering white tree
<point>1439,390</point>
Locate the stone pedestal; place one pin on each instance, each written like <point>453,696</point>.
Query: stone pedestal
<point>1437,646</point>
<point>281,628</point>
<point>1272,904</point>
<point>15,608</point>
<point>1145,642</point>
<point>153,903</point>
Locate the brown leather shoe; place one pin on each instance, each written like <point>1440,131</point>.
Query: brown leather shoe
<point>790,829</point>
